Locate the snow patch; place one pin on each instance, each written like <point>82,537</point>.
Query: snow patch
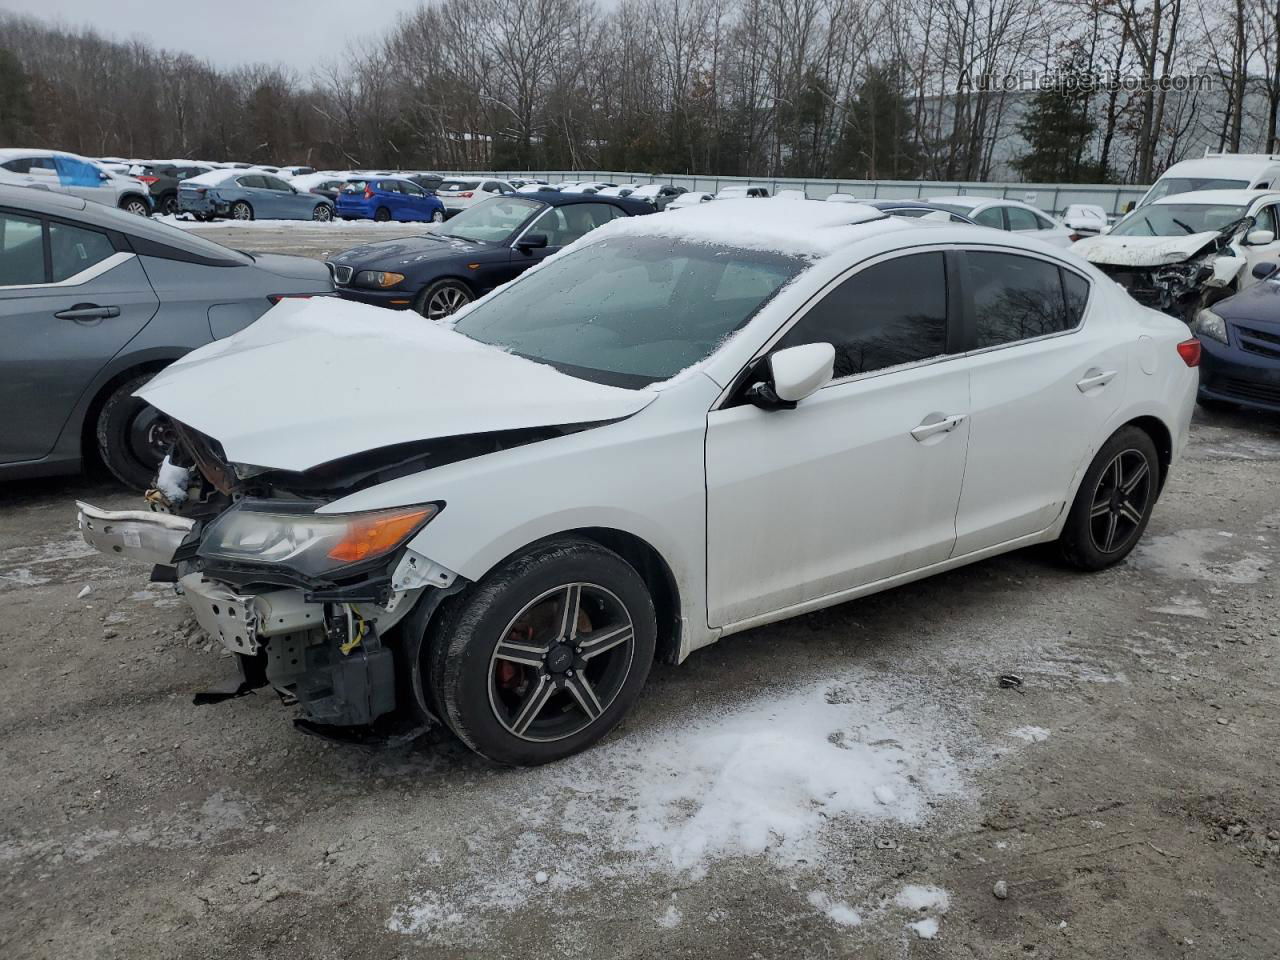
<point>1196,555</point>
<point>172,480</point>
<point>671,918</point>
<point>919,898</point>
<point>837,911</point>
<point>1030,734</point>
<point>926,929</point>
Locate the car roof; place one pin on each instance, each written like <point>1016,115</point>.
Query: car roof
<point>1245,165</point>
<point>1237,197</point>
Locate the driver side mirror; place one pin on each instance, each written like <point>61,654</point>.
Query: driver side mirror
<point>1259,238</point>
<point>532,241</point>
<point>1264,269</point>
<point>794,373</point>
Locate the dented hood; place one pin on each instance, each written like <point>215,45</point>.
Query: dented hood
<point>1142,251</point>
<point>315,380</point>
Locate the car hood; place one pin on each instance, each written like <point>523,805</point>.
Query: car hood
<point>1142,251</point>
<point>1258,304</point>
<point>316,380</point>
<point>411,251</point>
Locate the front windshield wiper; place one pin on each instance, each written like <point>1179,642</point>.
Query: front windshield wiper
<point>1182,225</point>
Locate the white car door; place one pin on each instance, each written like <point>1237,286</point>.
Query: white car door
<point>861,480</point>
<point>1267,218</point>
<point>1046,374</point>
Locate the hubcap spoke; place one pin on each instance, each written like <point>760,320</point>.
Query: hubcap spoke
<point>529,654</point>
<point>585,695</point>
<point>570,607</point>
<point>1100,508</point>
<point>530,709</point>
<point>1135,478</point>
<point>1130,513</point>
<point>1113,521</point>
<point>593,644</point>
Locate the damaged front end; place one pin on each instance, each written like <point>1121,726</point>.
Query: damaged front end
<point>328,609</point>
<point>1178,286</point>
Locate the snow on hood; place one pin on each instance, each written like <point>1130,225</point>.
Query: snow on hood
<point>316,380</point>
<point>1142,251</point>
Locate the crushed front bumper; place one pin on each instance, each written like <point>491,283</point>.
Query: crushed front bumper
<point>136,534</point>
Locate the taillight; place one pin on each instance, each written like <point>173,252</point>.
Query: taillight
<point>1076,236</point>
<point>368,193</point>
<point>468,195</point>
<point>148,180</point>
<point>1189,351</point>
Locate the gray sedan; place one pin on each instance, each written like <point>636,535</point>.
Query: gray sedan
<point>93,302</point>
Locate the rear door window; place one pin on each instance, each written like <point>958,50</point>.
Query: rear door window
<point>75,249</point>
<point>990,217</point>
<point>1019,298</point>
<point>251,182</point>
<point>891,313</point>
<point>21,250</point>
<point>1020,219</point>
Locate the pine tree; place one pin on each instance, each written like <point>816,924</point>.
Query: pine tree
<point>877,141</point>
<point>1058,131</point>
<point>17,117</point>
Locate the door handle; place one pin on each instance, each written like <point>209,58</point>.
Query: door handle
<point>931,426</point>
<point>1095,377</point>
<point>88,311</point>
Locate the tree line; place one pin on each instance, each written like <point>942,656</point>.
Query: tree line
<point>890,89</point>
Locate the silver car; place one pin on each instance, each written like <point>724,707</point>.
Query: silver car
<point>93,303</point>
<point>68,173</point>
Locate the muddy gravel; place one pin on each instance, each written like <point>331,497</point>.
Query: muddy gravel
<point>854,783</point>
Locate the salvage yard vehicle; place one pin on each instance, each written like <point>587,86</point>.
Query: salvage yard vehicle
<point>483,247</point>
<point>678,429</point>
<point>1217,171</point>
<point>1240,364</point>
<point>1184,252</point>
<point>67,173</point>
<point>388,198</point>
<point>458,195</point>
<point>1012,215</point>
<point>93,302</point>
<point>249,195</point>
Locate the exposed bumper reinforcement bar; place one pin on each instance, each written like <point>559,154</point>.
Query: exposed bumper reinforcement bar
<point>136,534</point>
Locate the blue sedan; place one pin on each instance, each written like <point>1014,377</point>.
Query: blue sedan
<point>1240,346</point>
<point>388,198</point>
<point>248,195</point>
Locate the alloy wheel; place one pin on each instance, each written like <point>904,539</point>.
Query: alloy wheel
<point>1120,501</point>
<point>137,208</point>
<point>322,213</point>
<point>242,211</point>
<point>445,301</point>
<point>561,662</point>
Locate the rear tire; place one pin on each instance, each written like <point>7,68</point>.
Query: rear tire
<point>168,205</point>
<point>485,698</point>
<point>382,215</point>
<point>322,213</point>
<point>241,211</point>
<point>133,437</point>
<point>135,205</point>
<point>1114,503</point>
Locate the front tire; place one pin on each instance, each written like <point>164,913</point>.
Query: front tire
<point>442,299</point>
<point>437,217</point>
<point>133,436</point>
<point>543,656</point>
<point>323,213</point>
<point>135,205</point>
<point>1114,502</point>
<point>241,211</point>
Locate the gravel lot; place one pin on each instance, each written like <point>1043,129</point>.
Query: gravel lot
<point>1128,795</point>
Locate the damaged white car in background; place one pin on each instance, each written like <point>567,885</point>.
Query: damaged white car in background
<point>1184,252</point>
<point>677,429</point>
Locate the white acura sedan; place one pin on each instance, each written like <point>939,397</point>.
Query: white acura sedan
<point>677,429</point>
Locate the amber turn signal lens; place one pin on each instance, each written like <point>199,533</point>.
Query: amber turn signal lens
<point>373,535</point>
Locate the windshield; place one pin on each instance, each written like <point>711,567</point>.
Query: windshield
<point>1178,219</point>
<point>1168,186</point>
<point>630,311</point>
<point>491,221</point>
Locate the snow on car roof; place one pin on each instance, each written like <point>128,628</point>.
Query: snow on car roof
<point>1239,164</point>
<point>795,227</point>
<point>1217,197</point>
<point>213,177</point>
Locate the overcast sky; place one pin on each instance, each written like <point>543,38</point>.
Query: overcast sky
<point>297,33</point>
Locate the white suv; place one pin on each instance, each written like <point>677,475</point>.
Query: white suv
<point>69,173</point>
<point>458,193</point>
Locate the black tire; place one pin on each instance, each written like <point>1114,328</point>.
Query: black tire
<point>443,298</point>
<point>133,437</point>
<point>469,690</point>
<point>437,216</point>
<point>136,205</point>
<point>382,214</point>
<point>168,205</point>
<point>1112,509</point>
<point>240,210</point>
<point>322,213</point>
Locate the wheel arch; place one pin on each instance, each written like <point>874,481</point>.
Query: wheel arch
<point>131,195</point>
<point>89,421</point>
<point>1161,436</point>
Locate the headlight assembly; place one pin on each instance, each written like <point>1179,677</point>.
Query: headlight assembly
<point>380,279</point>
<point>1209,324</point>
<point>312,544</point>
